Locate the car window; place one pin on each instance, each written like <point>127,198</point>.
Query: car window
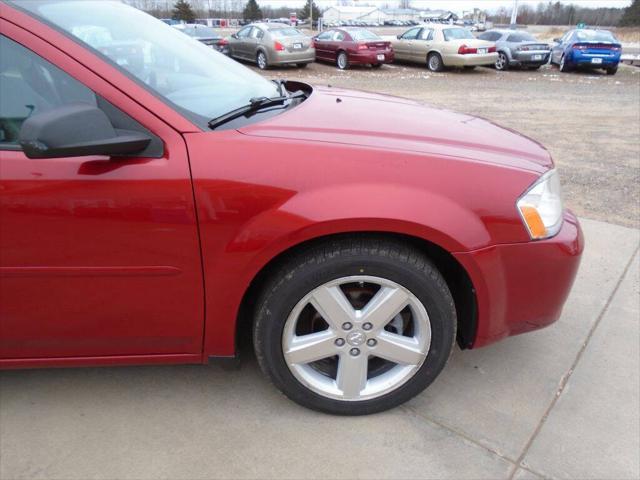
<point>244,33</point>
<point>411,34</point>
<point>257,33</point>
<point>193,78</point>
<point>363,35</point>
<point>457,34</point>
<point>285,32</point>
<point>426,34</point>
<point>338,36</point>
<point>28,85</point>
<point>520,37</point>
<point>486,36</point>
<point>594,36</point>
<point>325,35</point>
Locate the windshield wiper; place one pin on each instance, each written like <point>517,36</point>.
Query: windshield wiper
<point>254,105</point>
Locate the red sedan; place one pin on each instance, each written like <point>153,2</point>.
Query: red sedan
<point>353,46</point>
<point>158,202</point>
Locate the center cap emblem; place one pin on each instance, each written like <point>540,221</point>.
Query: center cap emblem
<point>355,339</point>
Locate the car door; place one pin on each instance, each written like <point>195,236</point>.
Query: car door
<point>238,44</point>
<point>322,47</point>
<point>423,45</point>
<point>558,49</point>
<point>99,255</point>
<point>253,40</point>
<point>405,43</point>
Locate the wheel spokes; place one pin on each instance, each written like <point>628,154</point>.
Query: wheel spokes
<point>384,306</point>
<point>398,349</point>
<point>333,306</point>
<point>309,348</point>
<point>352,374</point>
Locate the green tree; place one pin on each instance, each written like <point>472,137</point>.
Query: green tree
<point>182,11</point>
<point>252,11</point>
<point>631,16</point>
<point>310,7</point>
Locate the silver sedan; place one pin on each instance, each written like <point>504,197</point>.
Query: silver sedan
<point>269,44</point>
<point>517,49</point>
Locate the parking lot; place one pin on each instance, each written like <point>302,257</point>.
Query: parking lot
<point>558,403</point>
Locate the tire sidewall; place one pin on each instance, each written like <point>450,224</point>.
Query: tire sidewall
<point>438,58</point>
<point>346,61</point>
<point>277,308</point>
<point>266,61</point>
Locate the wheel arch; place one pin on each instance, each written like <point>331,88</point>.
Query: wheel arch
<point>456,276</point>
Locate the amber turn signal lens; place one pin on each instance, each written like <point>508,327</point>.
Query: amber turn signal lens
<point>533,221</point>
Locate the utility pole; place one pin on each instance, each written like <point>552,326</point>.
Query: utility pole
<point>311,14</point>
<point>514,13</point>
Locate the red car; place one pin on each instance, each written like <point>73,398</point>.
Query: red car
<point>158,203</point>
<point>353,46</point>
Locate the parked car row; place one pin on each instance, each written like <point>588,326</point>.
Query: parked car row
<point>436,45</point>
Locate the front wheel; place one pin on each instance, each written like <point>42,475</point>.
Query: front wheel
<point>434,62</point>
<point>355,327</point>
<point>261,60</point>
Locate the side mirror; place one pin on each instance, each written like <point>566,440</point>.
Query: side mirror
<point>77,130</point>
<point>234,35</point>
<point>399,37</point>
<point>557,40</point>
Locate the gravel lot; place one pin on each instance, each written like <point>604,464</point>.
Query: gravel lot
<point>590,122</point>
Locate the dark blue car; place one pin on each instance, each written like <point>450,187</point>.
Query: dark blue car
<point>587,48</point>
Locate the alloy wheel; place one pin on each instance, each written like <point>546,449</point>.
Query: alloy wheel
<point>342,61</point>
<point>502,62</point>
<point>434,63</point>
<point>356,338</point>
<point>262,61</point>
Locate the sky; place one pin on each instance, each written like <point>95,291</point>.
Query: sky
<point>454,5</point>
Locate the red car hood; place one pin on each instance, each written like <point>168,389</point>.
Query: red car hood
<point>378,121</point>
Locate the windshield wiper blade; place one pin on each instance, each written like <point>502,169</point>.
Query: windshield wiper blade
<point>254,105</point>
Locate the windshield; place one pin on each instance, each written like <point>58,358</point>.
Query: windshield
<point>594,36</point>
<point>201,82</point>
<point>358,35</point>
<point>457,34</point>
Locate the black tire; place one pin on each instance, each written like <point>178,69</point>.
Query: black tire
<point>342,61</point>
<point>302,65</point>
<point>502,63</point>
<point>612,70</point>
<point>565,67</point>
<point>374,256</point>
<point>434,62</point>
<point>262,60</point>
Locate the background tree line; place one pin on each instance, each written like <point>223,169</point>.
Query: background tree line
<point>549,13</point>
<point>556,13</point>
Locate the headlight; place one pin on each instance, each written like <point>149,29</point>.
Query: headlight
<point>541,207</point>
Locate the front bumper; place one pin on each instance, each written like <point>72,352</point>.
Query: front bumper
<point>523,286</point>
<point>469,60</point>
